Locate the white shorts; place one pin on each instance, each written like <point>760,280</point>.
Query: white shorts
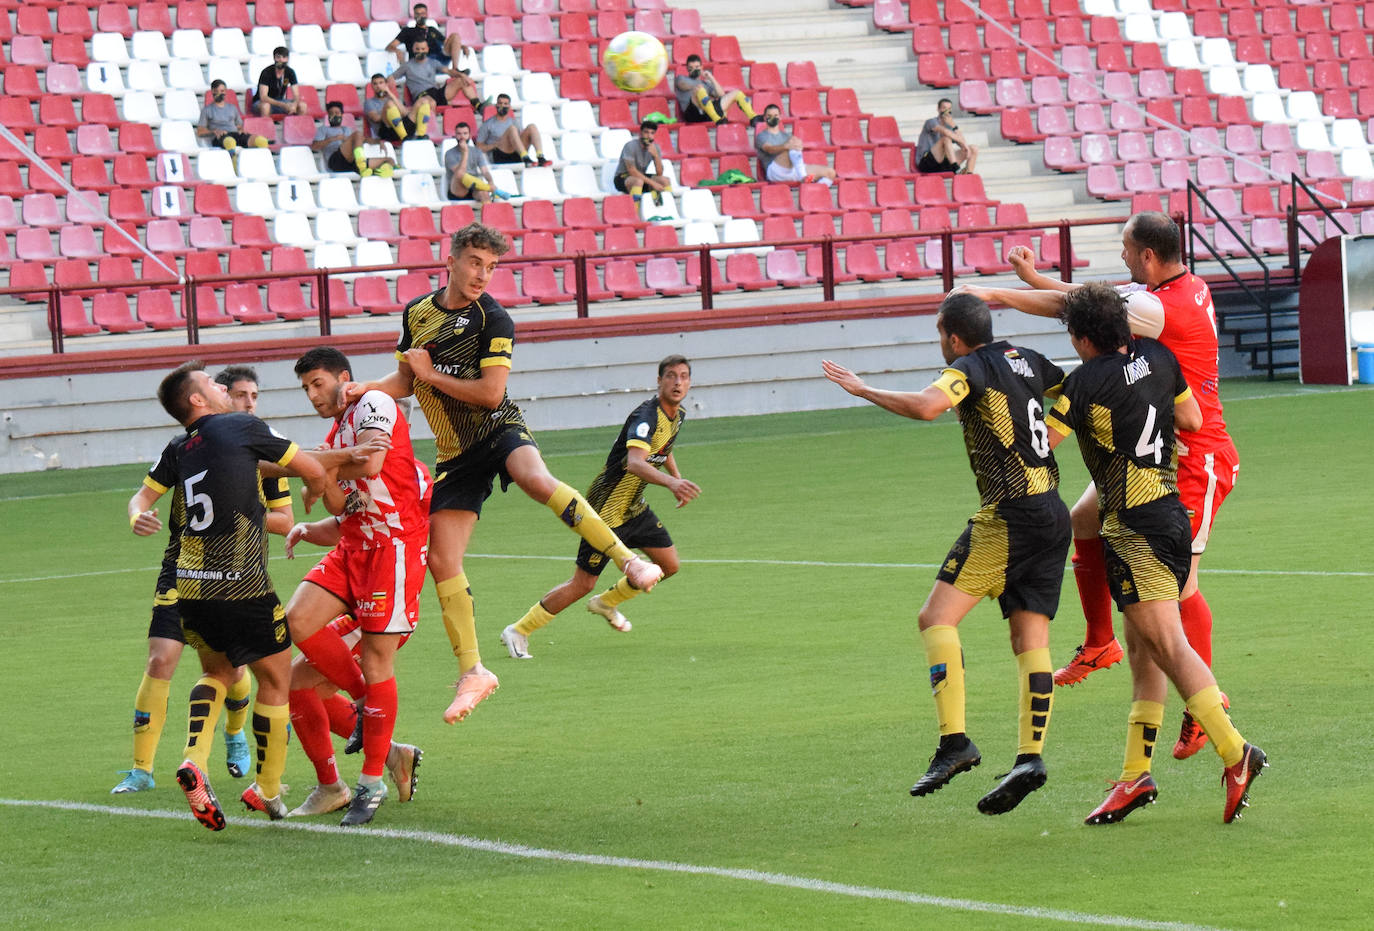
<point>796,171</point>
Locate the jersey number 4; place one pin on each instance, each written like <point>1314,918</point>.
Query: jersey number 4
<point>199,499</point>
<point>1151,442</point>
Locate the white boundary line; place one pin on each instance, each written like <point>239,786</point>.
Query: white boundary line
<point>667,866</point>
<point>813,563</point>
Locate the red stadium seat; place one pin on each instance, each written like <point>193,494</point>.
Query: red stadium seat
<point>243,302</point>
<point>110,310</point>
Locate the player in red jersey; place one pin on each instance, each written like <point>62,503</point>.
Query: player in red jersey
<point>1175,307</point>
<point>375,573</point>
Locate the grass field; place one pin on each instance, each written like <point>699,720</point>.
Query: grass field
<point>742,758</point>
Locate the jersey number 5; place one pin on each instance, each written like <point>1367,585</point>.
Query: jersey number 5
<point>201,500</point>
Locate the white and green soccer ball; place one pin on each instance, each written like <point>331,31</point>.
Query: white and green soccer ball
<point>635,61</point>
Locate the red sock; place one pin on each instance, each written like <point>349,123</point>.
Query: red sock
<point>1090,575</point>
<point>342,715</point>
<point>329,654</point>
<point>380,712</point>
<point>1197,625</point>
<point>311,725</point>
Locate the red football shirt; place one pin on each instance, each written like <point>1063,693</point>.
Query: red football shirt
<point>395,502</point>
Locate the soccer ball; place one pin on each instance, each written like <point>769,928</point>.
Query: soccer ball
<point>635,62</point>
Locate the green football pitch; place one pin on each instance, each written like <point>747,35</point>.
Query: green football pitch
<point>742,758</point>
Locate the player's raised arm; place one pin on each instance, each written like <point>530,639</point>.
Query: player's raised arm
<point>1022,261</point>
<point>1037,302</point>
<point>485,391</point>
<point>398,384</point>
<point>926,404</point>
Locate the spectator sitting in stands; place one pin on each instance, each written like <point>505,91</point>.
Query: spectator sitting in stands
<point>781,152</point>
<point>466,174</point>
<point>419,74</point>
<point>632,174</point>
<point>223,122</point>
<point>942,147</point>
<point>345,150</point>
<point>505,141</point>
<point>701,99</point>
<point>276,91</point>
<point>445,51</point>
<point>388,118</point>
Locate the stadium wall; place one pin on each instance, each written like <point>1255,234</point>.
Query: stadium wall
<point>95,418</point>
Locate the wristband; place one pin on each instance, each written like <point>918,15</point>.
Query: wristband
<point>133,518</point>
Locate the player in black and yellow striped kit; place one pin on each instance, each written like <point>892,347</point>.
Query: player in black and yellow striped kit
<point>229,612</point>
<point>1013,548</point>
<point>643,447</point>
<point>454,354</point>
<point>1124,402</point>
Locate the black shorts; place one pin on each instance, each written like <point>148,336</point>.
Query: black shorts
<point>166,621</point>
<point>1014,551</point>
<point>337,161</point>
<point>465,481</point>
<point>1149,551</point>
<point>643,531</point>
<point>245,631</point>
<point>435,94</point>
<point>690,114</point>
<point>387,132</point>
<point>622,182</point>
<point>239,138</point>
<point>930,165</point>
<point>502,157</point>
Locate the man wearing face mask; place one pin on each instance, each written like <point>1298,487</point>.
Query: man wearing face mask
<point>446,51</point>
<point>277,87</point>
<point>701,99</point>
<point>420,77</point>
<point>388,118</point>
<point>632,175</point>
<point>502,139</point>
<point>781,152</point>
<point>942,147</point>
<point>466,175</point>
<point>222,121</point>
<point>343,149</point>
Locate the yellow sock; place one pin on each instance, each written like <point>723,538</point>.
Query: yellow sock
<point>422,118</point>
<point>460,621</point>
<point>619,593</point>
<point>236,705</point>
<point>1142,729</point>
<point>945,657</point>
<point>1208,711</point>
<point>150,714</point>
<point>269,731</point>
<point>359,158</point>
<point>393,116</point>
<point>636,191</point>
<point>259,142</point>
<point>573,510</point>
<point>706,105</point>
<point>535,618</point>
<point>228,144</point>
<point>207,700</point>
<point>1036,699</point>
<point>746,108</point>
<point>472,182</point>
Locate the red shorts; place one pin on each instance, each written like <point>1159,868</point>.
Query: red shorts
<point>1204,481</point>
<point>348,628</point>
<point>381,586</point>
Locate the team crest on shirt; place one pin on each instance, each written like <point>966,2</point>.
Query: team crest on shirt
<point>461,323</point>
<point>642,430</point>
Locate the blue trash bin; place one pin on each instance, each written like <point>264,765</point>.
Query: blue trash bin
<point>1364,358</point>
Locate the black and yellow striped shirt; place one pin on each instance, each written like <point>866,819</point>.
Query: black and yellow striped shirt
<point>460,343</point>
<point>617,493</point>
<point>997,391</point>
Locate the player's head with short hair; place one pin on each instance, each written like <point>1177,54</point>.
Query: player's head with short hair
<point>230,374</point>
<point>944,107</point>
<point>648,126</point>
<point>1157,232</point>
<point>187,379</point>
<point>334,105</point>
<point>1096,314</point>
<point>693,59</point>
<point>670,361</point>
<point>323,357</point>
<point>477,236</point>
<point>966,317</point>
<point>281,51</point>
<point>216,87</point>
